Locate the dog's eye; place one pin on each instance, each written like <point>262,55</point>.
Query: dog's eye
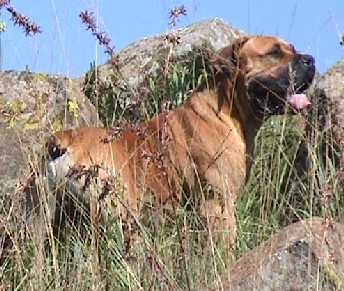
<point>275,51</point>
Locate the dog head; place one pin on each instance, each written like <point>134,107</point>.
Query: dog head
<point>272,72</point>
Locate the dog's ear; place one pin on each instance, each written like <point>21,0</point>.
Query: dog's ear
<point>225,62</point>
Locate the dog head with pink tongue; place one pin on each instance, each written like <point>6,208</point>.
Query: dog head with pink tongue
<point>270,92</point>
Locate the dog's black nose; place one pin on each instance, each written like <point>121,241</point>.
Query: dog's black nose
<point>307,60</point>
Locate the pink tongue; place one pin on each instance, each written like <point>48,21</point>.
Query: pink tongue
<point>298,101</point>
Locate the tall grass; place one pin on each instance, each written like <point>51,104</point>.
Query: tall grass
<point>173,252</point>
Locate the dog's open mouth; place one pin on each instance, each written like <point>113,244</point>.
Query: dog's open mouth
<point>272,96</point>
<point>275,104</point>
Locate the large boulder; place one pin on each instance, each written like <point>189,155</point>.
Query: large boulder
<point>143,58</point>
<point>31,106</point>
<point>307,255</point>
<point>324,128</point>
<point>332,83</point>
<point>123,84</point>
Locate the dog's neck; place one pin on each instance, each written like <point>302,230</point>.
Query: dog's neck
<point>224,99</point>
<point>237,104</point>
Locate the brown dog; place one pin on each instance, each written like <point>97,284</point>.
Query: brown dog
<point>209,140</point>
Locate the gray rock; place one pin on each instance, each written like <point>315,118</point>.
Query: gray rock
<point>144,57</point>
<point>32,105</point>
<point>11,159</point>
<point>332,82</point>
<point>41,100</point>
<point>308,255</point>
<point>324,129</point>
<point>119,87</point>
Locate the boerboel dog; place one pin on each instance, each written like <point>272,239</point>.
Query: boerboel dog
<point>209,140</point>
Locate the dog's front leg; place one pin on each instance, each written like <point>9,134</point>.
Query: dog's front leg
<point>220,211</point>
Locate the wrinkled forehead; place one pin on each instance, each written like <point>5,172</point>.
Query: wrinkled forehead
<point>262,44</point>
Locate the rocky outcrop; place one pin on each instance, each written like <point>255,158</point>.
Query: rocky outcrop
<point>307,255</point>
<point>332,82</point>
<point>144,57</point>
<point>31,105</point>
<point>35,100</point>
<point>123,84</point>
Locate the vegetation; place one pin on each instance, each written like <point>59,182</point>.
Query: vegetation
<point>175,254</point>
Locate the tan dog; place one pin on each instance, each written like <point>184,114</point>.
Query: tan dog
<point>209,140</point>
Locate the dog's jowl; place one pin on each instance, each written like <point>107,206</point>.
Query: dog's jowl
<point>209,140</point>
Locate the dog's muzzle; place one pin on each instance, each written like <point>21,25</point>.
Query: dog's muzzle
<point>304,68</point>
<point>271,93</point>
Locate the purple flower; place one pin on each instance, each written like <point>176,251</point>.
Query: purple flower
<point>103,39</point>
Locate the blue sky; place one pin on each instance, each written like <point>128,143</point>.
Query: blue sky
<point>65,47</point>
